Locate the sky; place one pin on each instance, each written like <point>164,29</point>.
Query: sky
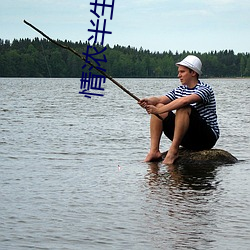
<point>155,25</point>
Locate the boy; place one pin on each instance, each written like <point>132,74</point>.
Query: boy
<point>194,125</point>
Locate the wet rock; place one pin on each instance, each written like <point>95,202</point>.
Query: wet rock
<point>204,157</point>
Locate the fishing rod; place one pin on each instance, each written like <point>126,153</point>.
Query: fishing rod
<point>88,62</point>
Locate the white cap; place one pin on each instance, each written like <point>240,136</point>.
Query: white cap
<point>191,62</point>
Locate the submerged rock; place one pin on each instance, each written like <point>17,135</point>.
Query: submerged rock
<point>204,157</point>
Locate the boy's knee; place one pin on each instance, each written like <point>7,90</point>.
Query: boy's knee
<point>159,105</point>
<point>184,110</point>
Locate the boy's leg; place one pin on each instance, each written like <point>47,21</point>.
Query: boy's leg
<point>199,135</point>
<point>156,128</point>
<point>181,127</point>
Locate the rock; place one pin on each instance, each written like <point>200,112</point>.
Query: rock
<point>213,157</point>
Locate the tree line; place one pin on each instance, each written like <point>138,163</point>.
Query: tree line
<point>41,58</point>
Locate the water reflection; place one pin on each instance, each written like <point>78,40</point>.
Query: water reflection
<point>183,198</point>
<point>183,177</point>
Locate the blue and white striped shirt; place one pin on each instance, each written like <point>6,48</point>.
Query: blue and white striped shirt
<point>206,108</point>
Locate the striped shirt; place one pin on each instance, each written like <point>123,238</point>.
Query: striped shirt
<point>206,108</point>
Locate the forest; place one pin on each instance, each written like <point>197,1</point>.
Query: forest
<point>41,58</point>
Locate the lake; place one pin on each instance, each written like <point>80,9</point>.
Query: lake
<point>72,174</point>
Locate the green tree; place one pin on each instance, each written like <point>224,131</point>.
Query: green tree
<point>41,58</point>
<point>247,69</point>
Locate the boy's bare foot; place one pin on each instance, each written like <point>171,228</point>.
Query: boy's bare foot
<point>153,156</point>
<point>170,157</point>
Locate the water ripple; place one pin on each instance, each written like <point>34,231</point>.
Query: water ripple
<point>72,175</point>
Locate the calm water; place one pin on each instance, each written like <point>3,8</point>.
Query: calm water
<point>72,175</point>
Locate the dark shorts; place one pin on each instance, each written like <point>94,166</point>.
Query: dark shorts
<point>199,135</point>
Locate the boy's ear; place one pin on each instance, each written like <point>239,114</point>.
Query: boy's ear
<point>194,73</point>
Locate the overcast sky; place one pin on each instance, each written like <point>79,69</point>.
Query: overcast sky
<point>157,25</point>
